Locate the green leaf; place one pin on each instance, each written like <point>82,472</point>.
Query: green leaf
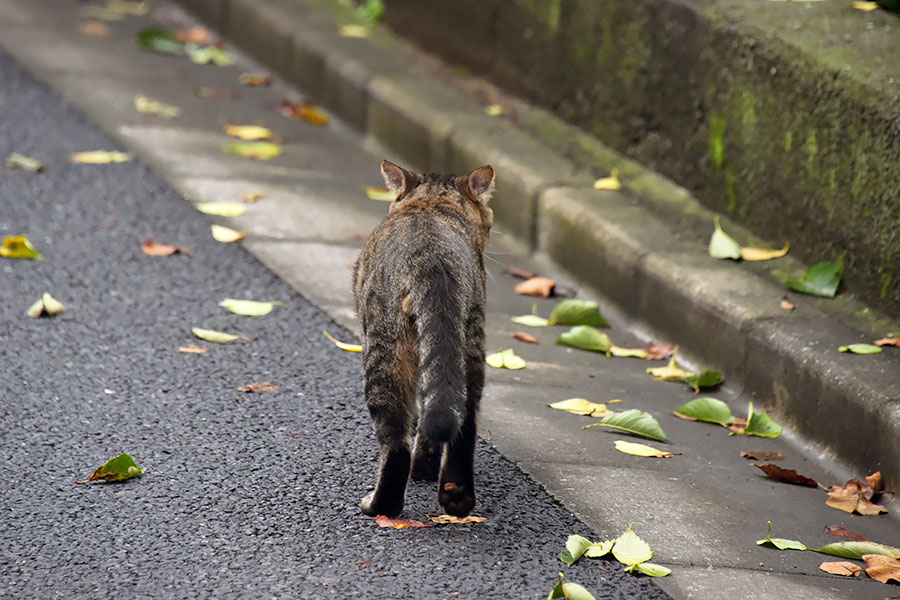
<point>780,543</point>
<point>23,162</point>
<point>650,569</point>
<point>159,39</point>
<point>634,421</point>
<point>861,349</point>
<point>18,246</point>
<point>120,468</point>
<point>629,549</point>
<point>761,425</point>
<point>573,591</point>
<point>506,359</point>
<point>599,549</point>
<point>708,410</point>
<point>249,308</point>
<point>858,549</point>
<point>218,337</point>
<point>203,55</point>
<point>585,337</point>
<point>577,312</point>
<point>531,321</point>
<point>575,547</point>
<point>557,591</point>
<point>257,150</point>
<point>705,378</point>
<point>821,279</point>
<point>722,245</point>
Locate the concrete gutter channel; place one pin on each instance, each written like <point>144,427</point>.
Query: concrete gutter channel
<point>725,315</point>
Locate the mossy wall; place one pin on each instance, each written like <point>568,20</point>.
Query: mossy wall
<point>783,115</point>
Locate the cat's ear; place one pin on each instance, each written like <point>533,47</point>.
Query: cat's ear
<point>399,180</point>
<point>481,183</point>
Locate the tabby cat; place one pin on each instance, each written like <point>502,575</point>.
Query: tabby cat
<point>419,287</point>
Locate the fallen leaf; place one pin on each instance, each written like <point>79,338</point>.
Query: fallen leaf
<point>627,352</point>
<point>525,337</point>
<point>634,421</point>
<point>226,234</point>
<point>629,549</point>
<point>882,568</point>
<point>670,372</point>
<point>380,194</point>
<point>451,520</point>
<point>249,308</point>
<point>575,547</point>
<point>722,245</point>
<point>708,410</point>
<point>858,549</point>
<point>304,111</point>
<point>780,543</point>
<point>838,531</point>
<point>46,306</point>
<point>154,249</point>
<point>255,79</point>
<point>251,197</point>
<point>659,351</point>
<point>755,254</point>
<point>821,279</point>
<point>876,482</point>
<point>786,475</point>
<point>494,110</point>
<point>611,183</point>
<point>18,246</point>
<point>258,387</point>
<point>759,424</point>
<point>21,161</point>
<point>887,342</point>
<point>531,321</point>
<point>569,591</point>
<point>846,568</point>
<point>195,35</point>
<point>536,286</point>
<point>99,157</point>
<point>762,455</point>
<point>520,273</point>
<point>159,39</point>
<point>649,569</point>
<point>581,406</point>
<point>257,150</point>
<point>861,349</point>
<point>343,345</point>
<point>147,105</point>
<point>864,5</point>
<point>787,304</point>
<point>119,468</point>
<point>577,312</point>
<point>352,30</point>
<point>599,549</point>
<point>384,521</point>
<point>505,359</point>
<point>585,337</point>
<point>641,450</point>
<point>218,337</point>
<point>705,378</point>
<point>221,209</point>
<point>193,349</point>
<point>94,28</point>
<point>204,55</point>
<point>854,496</point>
<point>249,132</point>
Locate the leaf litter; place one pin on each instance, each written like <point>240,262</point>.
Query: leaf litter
<point>384,521</point>
<point>786,475</point>
<point>581,406</point>
<point>18,246</point>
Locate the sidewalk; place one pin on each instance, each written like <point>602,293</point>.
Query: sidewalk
<point>701,511</point>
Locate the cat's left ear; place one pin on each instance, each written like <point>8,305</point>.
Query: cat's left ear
<point>399,180</point>
<point>481,183</point>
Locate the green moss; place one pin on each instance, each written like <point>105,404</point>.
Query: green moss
<point>748,111</point>
<point>717,140</point>
<point>731,189</point>
<point>788,141</point>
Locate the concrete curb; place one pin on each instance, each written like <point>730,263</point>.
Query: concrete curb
<point>724,314</point>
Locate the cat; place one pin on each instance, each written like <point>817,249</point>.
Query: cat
<point>419,286</point>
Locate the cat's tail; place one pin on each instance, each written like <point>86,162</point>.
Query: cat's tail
<point>440,321</point>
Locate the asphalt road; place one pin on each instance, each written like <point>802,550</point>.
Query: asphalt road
<point>245,495</point>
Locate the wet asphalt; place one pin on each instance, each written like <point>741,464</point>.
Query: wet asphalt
<point>246,495</point>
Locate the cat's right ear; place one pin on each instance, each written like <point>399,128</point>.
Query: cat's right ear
<point>399,180</point>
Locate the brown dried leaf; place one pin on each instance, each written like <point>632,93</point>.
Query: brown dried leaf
<point>520,273</point>
<point>304,111</point>
<point>193,349</point>
<point>887,342</point>
<point>838,531</point>
<point>842,567</point>
<point>882,568</point>
<point>786,475</point>
<point>154,249</point>
<point>854,496</point>
<point>258,386</point>
<point>875,482</point>
<point>787,304</point>
<point>384,521</point>
<point>256,79</point>
<point>525,337</point>
<point>762,455</point>
<point>195,35</point>
<point>94,28</point>
<point>536,286</point>
<point>659,351</point>
<point>449,519</point>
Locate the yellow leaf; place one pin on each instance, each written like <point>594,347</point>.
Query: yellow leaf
<point>221,209</point>
<point>251,197</point>
<point>609,183</point>
<point>354,31</point>
<point>257,150</point>
<point>581,406</point>
<point>304,110</point>
<point>494,110</point>
<point>343,345</point>
<point>147,105</point>
<point>633,352</point>
<point>226,234</point>
<point>47,305</point>
<point>670,372</point>
<point>18,246</point>
<point>764,253</point>
<point>248,132</point>
<point>219,337</point>
<point>865,6</point>
<point>449,519</point>
<point>506,359</point>
<point>382,194</point>
<point>99,157</point>
<point>641,450</point>
<point>630,549</point>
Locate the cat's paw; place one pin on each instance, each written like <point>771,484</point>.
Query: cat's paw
<point>456,500</point>
<point>373,506</point>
